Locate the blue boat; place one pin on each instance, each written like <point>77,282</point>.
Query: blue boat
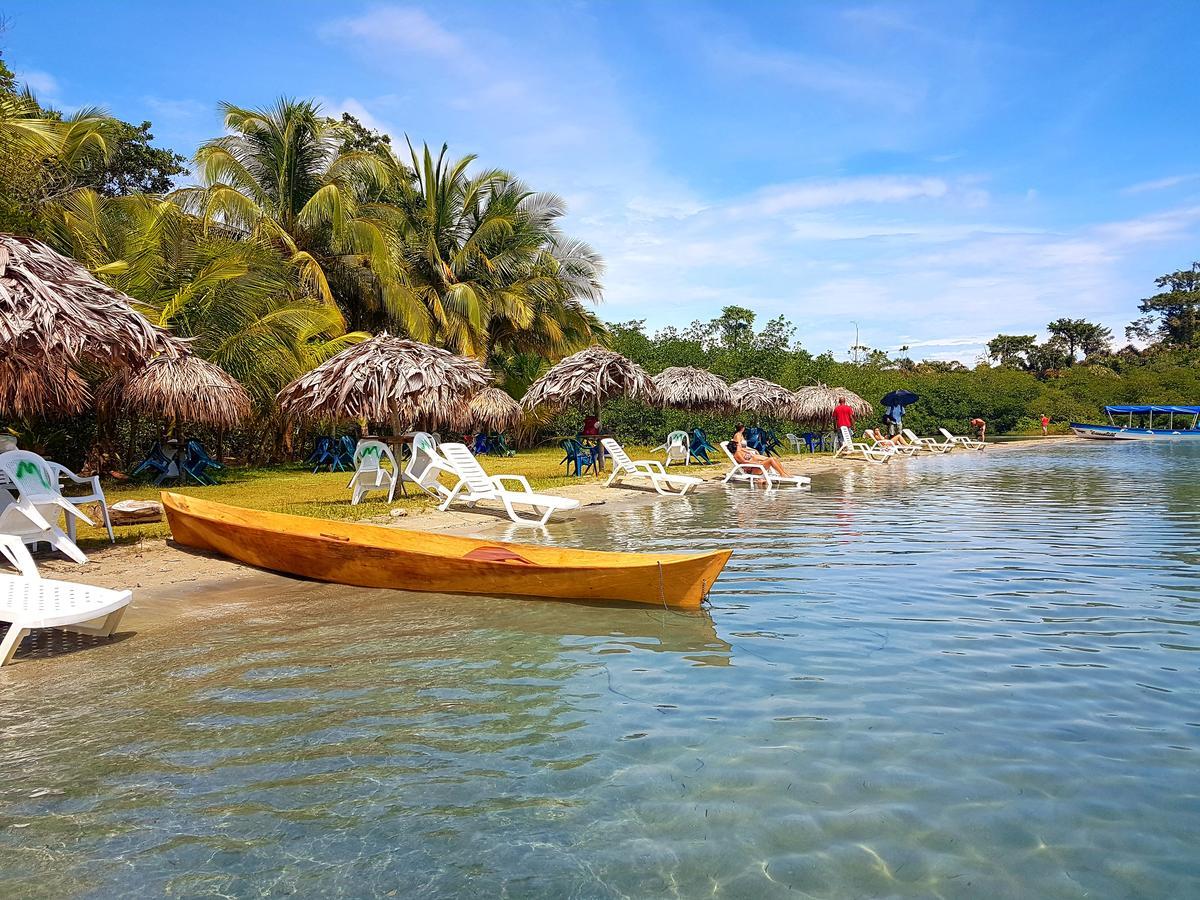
<point>1145,430</point>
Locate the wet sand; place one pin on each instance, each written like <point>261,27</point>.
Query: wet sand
<point>169,581</point>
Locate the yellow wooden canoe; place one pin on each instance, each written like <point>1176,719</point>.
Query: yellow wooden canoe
<point>374,556</point>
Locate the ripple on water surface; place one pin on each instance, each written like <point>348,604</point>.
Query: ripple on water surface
<point>958,676</point>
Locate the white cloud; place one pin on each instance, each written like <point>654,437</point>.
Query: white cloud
<point>843,192</point>
<point>946,342</point>
<point>1160,184</point>
<point>43,84</point>
<point>401,29</point>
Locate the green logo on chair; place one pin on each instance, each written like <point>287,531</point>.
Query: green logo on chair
<point>370,451</point>
<point>25,467</point>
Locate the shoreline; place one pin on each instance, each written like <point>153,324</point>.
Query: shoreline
<point>169,581</point>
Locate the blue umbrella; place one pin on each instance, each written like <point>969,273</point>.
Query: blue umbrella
<point>900,398</point>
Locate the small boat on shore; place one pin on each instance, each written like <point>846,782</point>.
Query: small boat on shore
<point>1181,423</point>
<point>379,557</point>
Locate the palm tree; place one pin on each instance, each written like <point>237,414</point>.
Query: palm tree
<point>485,256</point>
<point>43,155</point>
<point>244,307</point>
<point>283,177</point>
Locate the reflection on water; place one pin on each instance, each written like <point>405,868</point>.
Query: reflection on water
<point>970,675</point>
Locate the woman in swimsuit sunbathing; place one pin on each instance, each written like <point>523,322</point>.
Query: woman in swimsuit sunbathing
<point>745,456</point>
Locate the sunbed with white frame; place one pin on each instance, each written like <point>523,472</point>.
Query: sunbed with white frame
<point>647,470</point>
<point>872,453</point>
<point>968,443</point>
<point>930,444</point>
<point>474,484</point>
<point>753,473</point>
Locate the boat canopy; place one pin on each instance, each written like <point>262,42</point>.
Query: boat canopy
<point>1178,410</point>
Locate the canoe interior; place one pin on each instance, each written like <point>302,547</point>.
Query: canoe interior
<point>376,556</point>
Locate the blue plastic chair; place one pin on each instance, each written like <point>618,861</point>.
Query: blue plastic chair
<point>499,444</point>
<point>343,454</point>
<point>322,454</point>
<point>700,447</point>
<point>770,441</point>
<point>577,457</point>
<point>196,462</point>
<point>755,440</point>
<point>156,461</point>
<point>482,445</point>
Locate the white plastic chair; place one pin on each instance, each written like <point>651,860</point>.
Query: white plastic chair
<point>870,452</point>
<point>31,602</point>
<point>753,472</point>
<point>646,469</point>
<point>369,474</point>
<point>474,484</point>
<point>798,446</point>
<point>33,515</point>
<point>677,447</point>
<point>929,444</point>
<point>425,464</point>
<point>96,496</point>
<point>968,443</point>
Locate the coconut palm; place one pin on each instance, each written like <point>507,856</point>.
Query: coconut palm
<point>241,305</point>
<point>485,256</point>
<point>282,176</point>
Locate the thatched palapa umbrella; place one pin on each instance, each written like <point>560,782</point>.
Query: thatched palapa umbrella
<point>816,403</point>
<point>761,396</point>
<point>687,387</point>
<point>495,409</point>
<point>54,314</point>
<point>180,388</point>
<point>33,388</point>
<point>387,379</point>
<point>592,375</point>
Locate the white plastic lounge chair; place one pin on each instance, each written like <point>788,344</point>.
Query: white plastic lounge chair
<point>13,549</point>
<point>29,603</point>
<point>33,515</point>
<point>677,447</point>
<point>870,452</point>
<point>754,473</point>
<point>882,443</point>
<point>474,484</point>
<point>96,496</point>
<point>425,464</point>
<point>929,444</point>
<point>969,443</point>
<point>646,469</point>
<point>369,473</point>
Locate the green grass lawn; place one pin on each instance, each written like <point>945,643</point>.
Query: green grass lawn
<point>295,489</point>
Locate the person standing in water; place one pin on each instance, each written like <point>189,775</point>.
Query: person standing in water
<point>1045,424</point>
<point>843,417</point>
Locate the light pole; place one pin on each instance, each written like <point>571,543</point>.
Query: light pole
<point>855,324</point>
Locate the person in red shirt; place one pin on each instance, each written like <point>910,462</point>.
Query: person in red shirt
<point>843,417</point>
<point>1045,424</point>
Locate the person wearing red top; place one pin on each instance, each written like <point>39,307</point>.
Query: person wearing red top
<point>843,417</point>
<point>1045,423</point>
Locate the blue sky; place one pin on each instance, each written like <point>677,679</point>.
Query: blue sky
<point>935,172</point>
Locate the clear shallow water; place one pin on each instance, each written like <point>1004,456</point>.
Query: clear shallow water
<point>964,676</point>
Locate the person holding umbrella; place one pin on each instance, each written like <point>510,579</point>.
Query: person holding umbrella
<point>894,404</point>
